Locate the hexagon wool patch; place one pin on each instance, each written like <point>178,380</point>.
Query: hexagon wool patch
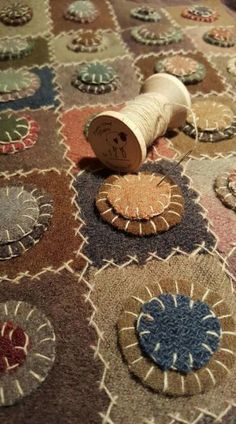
<point>177,337</point>
<point>106,243</point>
<point>27,350</point>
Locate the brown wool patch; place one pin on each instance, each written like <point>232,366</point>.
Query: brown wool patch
<point>59,244</point>
<point>171,216</point>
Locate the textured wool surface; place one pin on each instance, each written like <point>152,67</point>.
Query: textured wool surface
<point>211,81</point>
<point>46,153</point>
<point>113,48</point>
<point>129,85</point>
<point>38,56</point>
<point>182,142</point>
<point>221,63</point>
<point>196,36</point>
<point>222,218</point>
<point>104,19</point>
<point>38,25</point>
<point>139,49</point>
<point>111,288</point>
<point>224,17</point>
<point>107,243</point>
<point>44,96</point>
<point>71,391</point>
<point>51,251</point>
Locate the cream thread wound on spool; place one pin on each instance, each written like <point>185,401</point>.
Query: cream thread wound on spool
<point>120,139</point>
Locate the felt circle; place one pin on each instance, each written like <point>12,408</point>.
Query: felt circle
<point>211,116</point>
<point>138,196</point>
<point>145,13</point>
<point>156,34</point>
<point>14,48</point>
<point>167,326</point>
<point>25,214</point>
<point>83,11</point>
<point>220,36</point>
<point>88,41</point>
<point>215,121</point>
<point>167,375</point>
<point>17,84</point>
<point>17,133</point>
<point>95,78</point>
<point>16,14</point>
<point>27,350</point>
<point>188,70</point>
<point>200,13</point>
<point>231,66</point>
<point>171,216</point>
<point>225,188</point>
<point>12,127</point>
<point>18,214</point>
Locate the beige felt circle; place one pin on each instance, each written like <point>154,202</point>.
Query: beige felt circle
<point>180,65</point>
<point>138,196</point>
<point>221,34</point>
<point>211,115</point>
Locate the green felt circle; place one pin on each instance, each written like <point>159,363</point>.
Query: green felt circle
<point>11,48</point>
<point>96,73</point>
<point>12,127</point>
<point>14,80</point>
<point>81,8</point>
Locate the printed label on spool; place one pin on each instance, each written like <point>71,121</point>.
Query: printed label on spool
<point>117,142</point>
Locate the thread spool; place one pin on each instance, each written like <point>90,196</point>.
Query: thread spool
<point>120,139</point>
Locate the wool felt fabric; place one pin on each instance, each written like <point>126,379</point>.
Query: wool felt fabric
<point>27,350</point>
<point>225,189</point>
<point>95,78</point>
<point>211,81</point>
<point>38,25</point>
<point>129,85</point>
<point>38,55</point>
<point>44,96</point>
<point>182,142</point>
<point>196,36</point>
<point>184,68</point>
<point>86,41</point>
<point>17,84</point>
<point>104,20</point>
<point>81,11</point>
<point>156,35</point>
<point>111,47</point>
<point>155,319</point>
<point>231,66</point>
<point>219,36</point>
<point>60,297</point>
<point>47,152</point>
<point>29,213</point>
<point>61,228</point>
<point>120,203</point>
<point>111,289</point>
<point>200,13</point>
<point>223,219</point>
<point>145,13</point>
<point>16,48</point>
<point>223,16</point>
<point>17,133</point>
<point>187,236</point>
<point>222,63</point>
<point>16,14</point>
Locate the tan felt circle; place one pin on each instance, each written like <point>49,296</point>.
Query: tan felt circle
<point>211,115</point>
<point>171,216</point>
<point>138,196</point>
<point>180,65</point>
<point>172,382</point>
<point>221,34</point>
<point>155,31</point>
<point>88,38</point>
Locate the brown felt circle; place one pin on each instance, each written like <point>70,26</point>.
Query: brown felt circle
<point>138,196</point>
<point>170,217</point>
<point>180,65</point>
<point>86,41</point>
<point>225,188</point>
<point>211,115</point>
<point>172,382</point>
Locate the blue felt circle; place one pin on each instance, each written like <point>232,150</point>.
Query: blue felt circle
<point>178,333</point>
